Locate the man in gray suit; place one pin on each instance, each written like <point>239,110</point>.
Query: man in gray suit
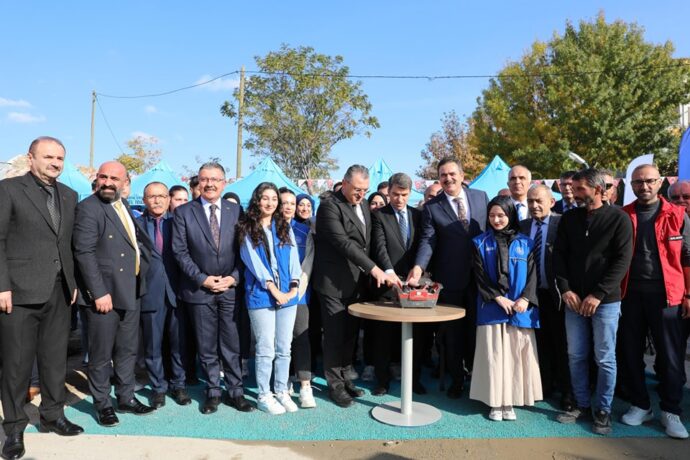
<point>36,285</point>
<point>112,254</point>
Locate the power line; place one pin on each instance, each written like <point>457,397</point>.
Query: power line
<point>108,125</point>
<point>407,77</point>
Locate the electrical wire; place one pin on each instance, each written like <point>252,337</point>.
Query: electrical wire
<point>108,125</point>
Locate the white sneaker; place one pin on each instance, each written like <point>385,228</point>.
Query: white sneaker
<point>306,398</point>
<point>674,427</point>
<point>395,370</point>
<point>368,374</point>
<point>636,416</point>
<point>286,401</point>
<point>508,413</point>
<point>269,405</point>
<point>496,414</point>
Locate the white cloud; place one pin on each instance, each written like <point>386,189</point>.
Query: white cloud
<point>21,117</point>
<point>14,103</point>
<point>142,134</point>
<point>151,109</point>
<point>221,84</point>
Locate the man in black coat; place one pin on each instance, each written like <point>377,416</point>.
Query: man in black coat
<point>341,263</point>
<point>542,228</point>
<point>395,236</point>
<point>36,286</point>
<point>112,254</point>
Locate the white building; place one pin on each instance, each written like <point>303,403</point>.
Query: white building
<point>684,116</point>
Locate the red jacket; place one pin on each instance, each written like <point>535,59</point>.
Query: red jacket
<point>669,239</point>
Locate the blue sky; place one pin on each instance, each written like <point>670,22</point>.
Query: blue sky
<point>53,54</point>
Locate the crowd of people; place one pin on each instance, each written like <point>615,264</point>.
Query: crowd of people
<point>560,297</point>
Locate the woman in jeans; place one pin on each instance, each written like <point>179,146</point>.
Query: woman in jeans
<point>272,273</point>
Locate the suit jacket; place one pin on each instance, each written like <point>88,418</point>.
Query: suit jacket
<point>558,207</point>
<point>162,276</point>
<point>30,248</point>
<point>445,247</point>
<point>551,232</point>
<point>106,256</point>
<point>341,261</point>
<point>196,253</point>
<point>389,251</point>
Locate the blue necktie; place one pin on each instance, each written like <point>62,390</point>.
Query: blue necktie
<point>404,230</point>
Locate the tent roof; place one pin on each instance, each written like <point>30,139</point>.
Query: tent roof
<point>266,171</point>
<point>493,177</point>
<point>74,179</point>
<point>380,172</point>
<point>162,172</point>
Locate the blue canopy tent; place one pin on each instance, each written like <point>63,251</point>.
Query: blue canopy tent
<point>162,172</point>
<point>266,171</point>
<point>75,180</point>
<point>380,172</point>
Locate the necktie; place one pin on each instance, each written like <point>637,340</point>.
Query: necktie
<point>462,213</point>
<point>125,223</point>
<point>52,208</point>
<point>537,250</point>
<point>360,215</point>
<point>404,229</point>
<point>521,210</point>
<point>158,235</point>
<point>215,227</point>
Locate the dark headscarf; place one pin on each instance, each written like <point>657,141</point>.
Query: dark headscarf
<point>383,197</point>
<point>505,203</point>
<point>298,199</point>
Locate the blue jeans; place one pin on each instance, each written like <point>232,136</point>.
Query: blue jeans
<point>602,327</point>
<point>273,334</point>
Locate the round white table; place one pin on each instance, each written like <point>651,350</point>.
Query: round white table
<point>405,412</point>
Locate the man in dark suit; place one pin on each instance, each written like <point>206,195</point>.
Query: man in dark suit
<point>542,228</point>
<point>565,185</point>
<point>449,222</point>
<point>36,286</point>
<point>395,236</point>
<point>205,247</point>
<point>341,263</point>
<point>112,254</point>
<point>160,315</point>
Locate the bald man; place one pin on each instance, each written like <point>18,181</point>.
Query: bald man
<point>112,255</point>
<point>679,193</point>
<point>519,179</point>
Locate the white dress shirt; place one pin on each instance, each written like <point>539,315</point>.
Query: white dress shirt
<point>521,208</point>
<point>207,210</point>
<point>465,202</point>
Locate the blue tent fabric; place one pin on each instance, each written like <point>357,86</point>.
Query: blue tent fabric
<point>493,177</point>
<point>266,171</point>
<point>380,172</point>
<point>684,156</point>
<point>162,172</point>
<point>74,179</point>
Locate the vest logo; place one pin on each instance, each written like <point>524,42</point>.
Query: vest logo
<point>519,251</point>
<point>675,238</point>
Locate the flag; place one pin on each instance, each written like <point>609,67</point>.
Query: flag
<point>684,156</point>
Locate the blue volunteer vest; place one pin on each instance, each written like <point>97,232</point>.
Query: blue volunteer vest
<point>301,232</point>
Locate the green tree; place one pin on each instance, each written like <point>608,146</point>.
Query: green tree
<point>298,107</point>
<point>453,140</point>
<point>599,90</point>
<point>145,154</point>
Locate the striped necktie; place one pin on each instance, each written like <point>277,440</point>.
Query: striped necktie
<point>404,229</point>
<point>537,250</point>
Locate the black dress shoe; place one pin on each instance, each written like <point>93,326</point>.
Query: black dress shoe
<point>455,390</point>
<point>107,417</point>
<point>340,397</point>
<point>14,446</point>
<point>418,388</point>
<point>239,403</point>
<point>380,390</point>
<point>181,396</point>
<point>567,403</point>
<point>352,390</point>
<point>210,405</point>
<point>61,426</point>
<point>133,406</point>
<point>157,400</point>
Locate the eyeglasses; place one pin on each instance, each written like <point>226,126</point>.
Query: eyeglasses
<point>639,182</point>
<point>608,186</point>
<point>686,197</point>
<point>210,180</point>
<point>153,197</point>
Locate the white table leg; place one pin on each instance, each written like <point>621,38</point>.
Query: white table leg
<point>406,369</point>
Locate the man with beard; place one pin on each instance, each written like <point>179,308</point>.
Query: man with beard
<point>112,255</point>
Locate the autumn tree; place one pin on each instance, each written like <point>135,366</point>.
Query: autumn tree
<point>298,106</point>
<point>145,154</point>
<point>453,140</point>
<point>599,90</point>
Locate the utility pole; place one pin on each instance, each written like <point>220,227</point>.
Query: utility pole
<point>93,126</point>
<point>240,113</point>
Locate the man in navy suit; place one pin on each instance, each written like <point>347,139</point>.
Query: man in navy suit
<point>160,315</point>
<point>205,247</point>
<point>565,185</point>
<point>449,222</point>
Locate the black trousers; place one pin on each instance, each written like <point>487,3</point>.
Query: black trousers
<point>38,332</point>
<point>552,345</point>
<point>168,322</point>
<point>641,311</point>
<point>113,344</point>
<point>386,347</point>
<point>301,347</point>
<point>457,337</point>
<point>339,337</point>
<point>218,344</point>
